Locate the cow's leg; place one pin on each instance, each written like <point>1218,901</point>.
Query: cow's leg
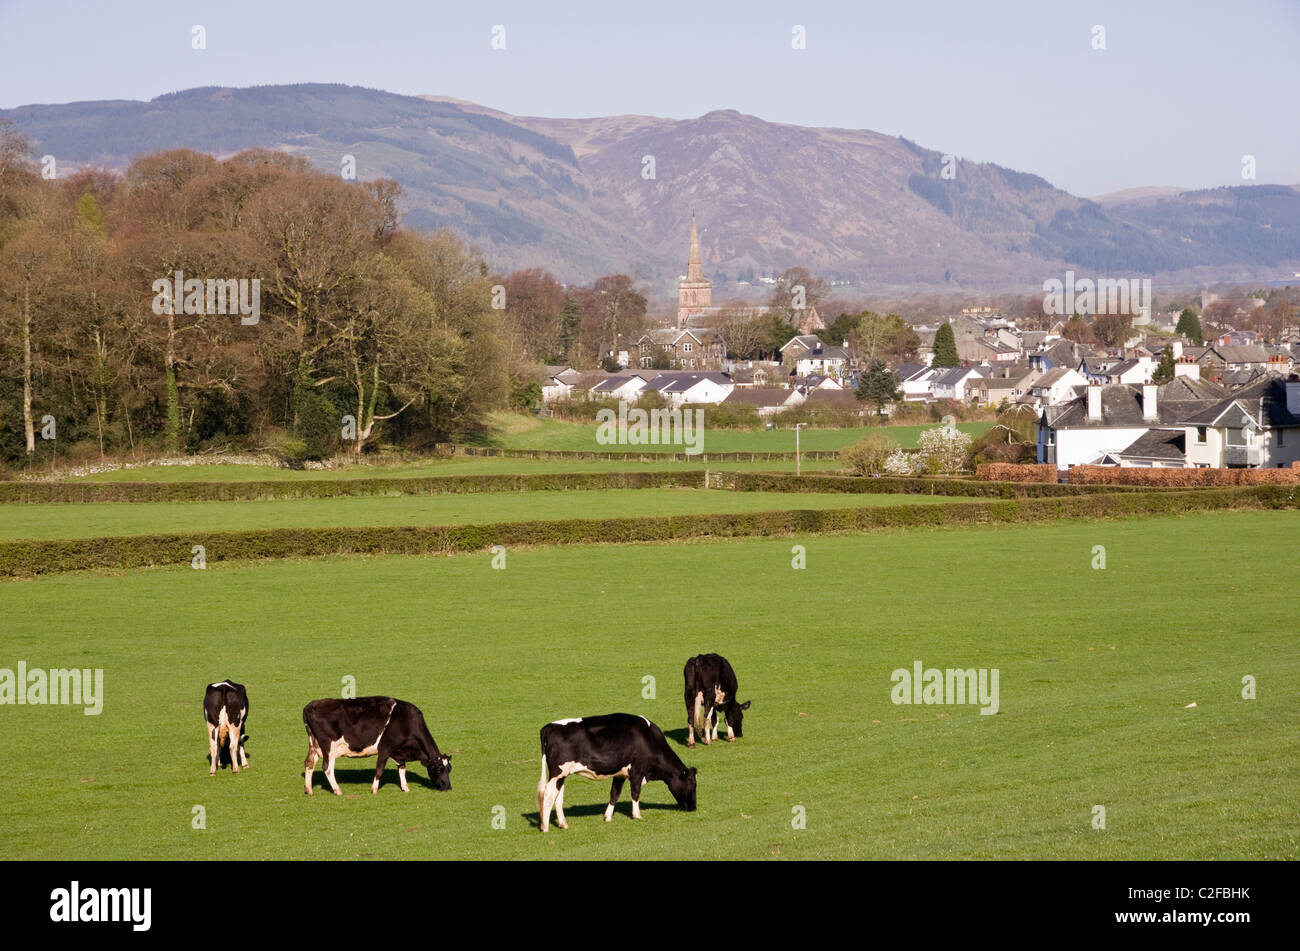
<point>401,777</point>
<point>309,764</point>
<point>559,805</point>
<point>330,757</point>
<point>638,781</point>
<point>551,792</point>
<point>243,754</point>
<point>713,719</point>
<point>379,771</point>
<point>212,749</point>
<point>615,790</point>
<point>232,743</point>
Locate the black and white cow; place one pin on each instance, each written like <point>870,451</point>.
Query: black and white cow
<point>618,746</point>
<point>225,707</point>
<point>371,726</point>
<point>711,683</point>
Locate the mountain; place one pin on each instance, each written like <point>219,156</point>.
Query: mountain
<point>576,195</point>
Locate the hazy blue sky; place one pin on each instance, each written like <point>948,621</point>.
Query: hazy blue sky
<point>1182,91</point>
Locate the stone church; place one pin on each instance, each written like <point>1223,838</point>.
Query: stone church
<point>695,296</point>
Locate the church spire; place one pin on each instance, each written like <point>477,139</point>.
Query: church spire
<point>694,270</point>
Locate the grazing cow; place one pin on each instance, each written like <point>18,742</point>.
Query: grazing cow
<point>371,726</point>
<point>225,707</point>
<point>711,683</point>
<point>618,746</point>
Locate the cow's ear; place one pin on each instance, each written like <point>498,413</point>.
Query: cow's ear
<point>745,705</point>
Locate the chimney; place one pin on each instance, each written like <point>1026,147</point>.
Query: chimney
<point>1178,349</point>
<point>1149,393</point>
<point>1293,396</point>
<point>1094,402</point>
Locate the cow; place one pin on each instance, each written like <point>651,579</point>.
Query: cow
<point>711,683</point>
<point>618,746</point>
<point>371,726</point>
<point>225,707</point>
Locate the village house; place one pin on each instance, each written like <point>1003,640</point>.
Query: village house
<point>691,387</point>
<point>766,399</point>
<point>954,384</point>
<point>620,387</point>
<point>693,349</point>
<point>1255,427</point>
<point>1108,419</point>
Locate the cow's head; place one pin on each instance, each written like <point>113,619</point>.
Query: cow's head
<point>682,786</point>
<point>439,768</point>
<point>735,714</point>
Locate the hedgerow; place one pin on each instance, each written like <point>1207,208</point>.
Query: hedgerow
<point>40,557</point>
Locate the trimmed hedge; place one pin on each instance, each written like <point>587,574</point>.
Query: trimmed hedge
<point>1116,475</point>
<point>1016,472</point>
<point>40,557</point>
<point>780,482</point>
<point>339,488</point>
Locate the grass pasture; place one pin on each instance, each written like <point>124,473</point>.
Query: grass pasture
<point>1096,668</point>
<point>97,519</point>
<point>513,431</point>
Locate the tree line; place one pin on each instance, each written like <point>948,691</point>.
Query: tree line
<point>364,331</point>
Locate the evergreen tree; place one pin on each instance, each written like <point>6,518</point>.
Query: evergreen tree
<point>570,325</point>
<point>1165,369</point>
<point>878,386</point>
<point>1189,326</point>
<point>945,348</point>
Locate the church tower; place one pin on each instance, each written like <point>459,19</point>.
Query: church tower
<point>696,292</point>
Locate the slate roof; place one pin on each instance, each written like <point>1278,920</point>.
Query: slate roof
<point>612,383</point>
<point>1051,377</point>
<point>681,382</point>
<point>759,395</point>
<point>910,371</point>
<point>842,399</point>
<point>825,352</point>
<point>1161,445</point>
<point>1121,406</point>
<point>1243,353</point>
<point>1264,401</point>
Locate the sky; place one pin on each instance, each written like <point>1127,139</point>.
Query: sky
<point>1094,96</point>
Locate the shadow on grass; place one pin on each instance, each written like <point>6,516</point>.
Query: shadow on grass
<point>624,809</point>
<point>364,777</point>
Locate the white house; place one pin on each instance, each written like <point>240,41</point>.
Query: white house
<point>825,360</point>
<point>624,387</point>
<point>1258,426</point>
<point>916,382</point>
<point>692,387</point>
<point>954,383</point>
<point>1056,385</point>
<point>1108,419</point>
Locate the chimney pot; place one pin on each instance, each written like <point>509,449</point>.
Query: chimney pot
<point>1149,395</point>
<point>1094,401</point>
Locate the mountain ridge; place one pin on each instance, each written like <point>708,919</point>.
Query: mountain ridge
<point>582,197</point>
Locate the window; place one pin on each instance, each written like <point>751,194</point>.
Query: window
<point>1200,434</point>
<point>686,347</point>
<point>1280,441</point>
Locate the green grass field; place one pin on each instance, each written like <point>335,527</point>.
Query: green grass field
<point>526,432</point>
<point>1096,668</point>
<point>96,519</point>
<point>452,466</point>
